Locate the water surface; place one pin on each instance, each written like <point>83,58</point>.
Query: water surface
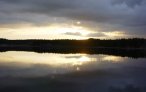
<point>48,72</point>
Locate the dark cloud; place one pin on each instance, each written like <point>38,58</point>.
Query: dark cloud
<point>76,33</point>
<point>96,35</point>
<point>129,3</point>
<point>120,15</point>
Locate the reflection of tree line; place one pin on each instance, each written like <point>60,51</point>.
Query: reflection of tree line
<point>121,47</point>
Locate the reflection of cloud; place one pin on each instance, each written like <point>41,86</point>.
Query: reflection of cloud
<point>127,88</point>
<point>73,57</point>
<point>27,59</point>
<point>99,74</point>
<point>115,59</point>
<point>36,64</point>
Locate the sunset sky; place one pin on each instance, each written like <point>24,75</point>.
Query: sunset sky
<point>72,19</point>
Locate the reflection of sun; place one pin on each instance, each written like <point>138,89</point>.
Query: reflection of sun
<point>82,60</point>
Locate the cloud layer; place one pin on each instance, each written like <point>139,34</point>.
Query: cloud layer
<point>128,16</point>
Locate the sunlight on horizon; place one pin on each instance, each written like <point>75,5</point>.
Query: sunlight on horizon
<point>56,31</point>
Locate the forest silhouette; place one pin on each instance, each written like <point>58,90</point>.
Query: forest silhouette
<point>132,47</point>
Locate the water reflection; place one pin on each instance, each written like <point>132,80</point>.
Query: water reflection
<point>114,59</point>
<point>34,63</point>
<point>46,58</point>
<point>49,72</point>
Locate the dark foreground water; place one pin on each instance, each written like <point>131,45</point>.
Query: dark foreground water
<point>47,72</point>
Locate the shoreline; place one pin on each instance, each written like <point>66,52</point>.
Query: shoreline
<point>123,52</point>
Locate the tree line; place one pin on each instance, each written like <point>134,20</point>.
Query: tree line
<point>117,43</point>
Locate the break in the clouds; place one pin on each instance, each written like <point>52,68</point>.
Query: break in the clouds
<point>123,16</point>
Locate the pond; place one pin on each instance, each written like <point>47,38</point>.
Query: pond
<point>51,72</point>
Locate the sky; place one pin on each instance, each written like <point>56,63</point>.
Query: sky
<point>72,19</point>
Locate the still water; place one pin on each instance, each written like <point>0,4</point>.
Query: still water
<point>48,72</point>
